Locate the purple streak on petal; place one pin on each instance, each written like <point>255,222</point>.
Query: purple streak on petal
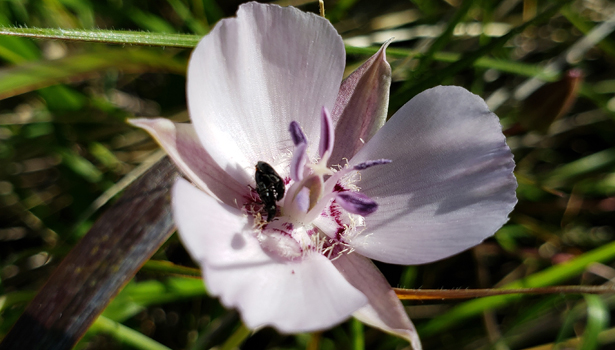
<point>371,163</point>
<point>327,136</point>
<point>297,164</point>
<point>356,202</point>
<point>384,310</point>
<point>361,106</point>
<point>296,133</point>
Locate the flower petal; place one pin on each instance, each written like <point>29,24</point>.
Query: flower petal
<point>293,296</point>
<point>450,184</point>
<point>212,232</point>
<point>361,106</point>
<point>380,319</point>
<point>384,310</point>
<point>253,75</point>
<point>183,146</point>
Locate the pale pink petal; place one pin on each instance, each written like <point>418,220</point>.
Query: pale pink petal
<point>212,232</point>
<point>183,146</point>
<point>253,75</point>
<point>449,186</point>
<point>370,316</point>
<point>361,106</point>
<point>384,310</point>
<point>293,296</point>
<point>306,296</point>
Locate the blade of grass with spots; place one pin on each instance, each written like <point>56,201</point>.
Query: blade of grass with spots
<point>95,270</point>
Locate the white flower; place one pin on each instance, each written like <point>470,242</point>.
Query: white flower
<point>259,87</point>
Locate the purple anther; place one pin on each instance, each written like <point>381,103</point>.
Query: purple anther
<point>296,133</point>
<point>356,203</point>
<point>326,133</point>
<point>371,163</point>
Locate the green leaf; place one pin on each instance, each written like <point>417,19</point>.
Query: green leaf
<point>237,338</point>
<point>597,321</point>
<point>125,334</point>
<point>186,15</point>
<point>80,165</point>
<point>104,155</point>
<point>358,338</point>
<point>136,296</point>
<point>10,299</point>
<point>506,66</point>
<point>116,246</point>
<point>16,50</point>
<point>170,268</point>
<point>586,165</point>
<point>585,27</point>
<point>20,79</point>
<point>441,41</point>
<point>189,41</point>
<point>150,21</point>
<point>107,36</point>
<point>469,59</point>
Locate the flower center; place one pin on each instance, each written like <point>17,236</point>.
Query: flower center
<point>317,209</point>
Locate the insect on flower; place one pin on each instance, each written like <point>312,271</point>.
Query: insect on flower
<point>269,186</point>
<point>434,180</point>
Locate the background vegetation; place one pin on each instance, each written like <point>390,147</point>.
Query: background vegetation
<point>65,151</point>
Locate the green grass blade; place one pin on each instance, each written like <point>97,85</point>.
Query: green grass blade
<point>505,66</point>
<point>97,267</point>
<point>586,165</point>
<point>189,41</point>
<point>20,79</point>
<point>10,299</point>
<point>137,296</point>
<point>441,41</point>
<point>547,277</point>
<point>126,335</point>
<point>107,36</point>
<point>166,267</point>
<point>80,165</point>
<point>577,20</point>
<point>185,14</point>
<point>597,321</point>
<point>237,338</point>
<point>467,60</point>
<point>358,338</point>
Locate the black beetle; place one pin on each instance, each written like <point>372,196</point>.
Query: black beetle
<point>269,186</point>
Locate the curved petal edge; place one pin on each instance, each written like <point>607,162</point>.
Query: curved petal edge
<point>384,311</point>
<point>252,75</point>
<point>301,295</point>
<point>449,186</point>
